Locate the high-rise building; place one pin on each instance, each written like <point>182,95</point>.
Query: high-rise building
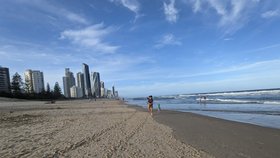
<point>76,92</point>
<point>34,81</point>
<point>102,89</point>
<point>113,91</point>
<point>28,81</point>
<point>68,82</point>
<point>86,80</point>
<point>4,80</point>
<point>95,84</point>
<point>109,94</point>
<point>66,86</point>
<point>38,81</point>
<point>116,94</point>
<point>81,82</point>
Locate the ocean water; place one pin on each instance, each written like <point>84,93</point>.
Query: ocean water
<point>259,107</point>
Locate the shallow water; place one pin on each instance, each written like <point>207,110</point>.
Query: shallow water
<point>255,107</point>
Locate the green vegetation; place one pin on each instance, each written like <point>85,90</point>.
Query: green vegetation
<point>22,90</point>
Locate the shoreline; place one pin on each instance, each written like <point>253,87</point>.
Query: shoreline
<point>219,137</point>
<point>222,138</point>
<point>117,129</point>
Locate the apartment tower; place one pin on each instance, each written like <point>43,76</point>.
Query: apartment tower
<point>95,84</point>
<point>4,80</point>
<point>68,82</point>
<point>87,85</point>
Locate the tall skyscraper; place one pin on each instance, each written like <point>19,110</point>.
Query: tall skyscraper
<point>81,82</point>
<point>95,84</point>
<point>113,91</point>
<point>68,82</point>
<point>86,80</point>
<point>29,81</point>
<point>38,81</point>
<point>102,89</point>
<point>34,80</point>
<point>4,80</point>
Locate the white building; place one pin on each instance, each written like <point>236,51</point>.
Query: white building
<point>29,81</point>
<point>109,94</point>
<point>35,81</point>
<point>102,89</point>
<point>76,92</point>
<point>102,92</point>
<point>81,82</point>
<point>38,81</point>
<point>68,82</point>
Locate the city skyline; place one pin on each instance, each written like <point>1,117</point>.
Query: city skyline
<point>147,47</point>
<point>33,82</point>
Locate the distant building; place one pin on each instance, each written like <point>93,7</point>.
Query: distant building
<point>105,93</point>
<point>116,94</point>
<point>102,89</point>
<point>4,80</point>
<point>109,94</point>
<point>34,81</point>
<point>86,80</point>
<point>95,84</point>
<point>38,81</point>
<point>28,81</point>
<point>81,82</point>
<point>76,92</point>
<point>113,90</point>
<point>68,82</point>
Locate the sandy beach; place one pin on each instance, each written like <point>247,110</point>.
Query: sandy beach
<point>83,128</point>
<point>222,138</point>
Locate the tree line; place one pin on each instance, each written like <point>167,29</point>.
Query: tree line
<point>22,90</point>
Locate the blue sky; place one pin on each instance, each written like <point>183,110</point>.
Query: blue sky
<point>145,47</point>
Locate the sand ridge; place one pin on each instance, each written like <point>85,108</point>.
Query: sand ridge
<point>85,128</point>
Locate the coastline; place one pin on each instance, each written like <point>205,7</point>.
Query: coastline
<point>83,128</point>
<point>222,138</point>
<point>111,128</point>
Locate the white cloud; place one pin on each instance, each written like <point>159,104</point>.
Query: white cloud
<point>232,19</point>
<point>197,6</point>
<point>168,39</point>
<point>91,37</point>
<point>233,14</point>
<point>262,74</point>
<point>75,17</point>
<point>53,9</point>
<point>270,65</point>
<point>270,14</point>
<point>228,39</point>
<point>171,13</point>
<point>132,5</point>
<point>218,6</point>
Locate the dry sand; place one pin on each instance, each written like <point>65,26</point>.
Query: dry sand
<point>85,129</point>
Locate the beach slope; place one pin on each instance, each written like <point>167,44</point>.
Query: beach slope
<point>85,128</point>
<point>222,138</point>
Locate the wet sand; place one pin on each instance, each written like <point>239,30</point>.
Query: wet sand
<point>222,138</point>
<point>83,128</point>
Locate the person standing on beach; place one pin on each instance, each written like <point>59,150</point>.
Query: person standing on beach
<point>150,104</point>
<point>158,105</point>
